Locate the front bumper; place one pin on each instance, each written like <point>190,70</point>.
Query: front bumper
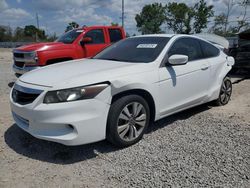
<point>70,123</point>
<point>22,70</point>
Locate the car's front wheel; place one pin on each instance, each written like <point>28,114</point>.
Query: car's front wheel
<point>128,120</point>
<point>225,92</point>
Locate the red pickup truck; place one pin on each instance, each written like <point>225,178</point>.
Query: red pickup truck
<point>75,44</point>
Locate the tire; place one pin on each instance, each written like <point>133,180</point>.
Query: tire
<point>225,92</point>
<point>128,120</point>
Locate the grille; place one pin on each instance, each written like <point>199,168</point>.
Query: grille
<point>19,64</point>
<point>19,55</point>
<point>23,98</point>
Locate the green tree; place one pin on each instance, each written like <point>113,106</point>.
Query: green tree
<point>219,26</point>
<point>226,27</point>
<point>178,17</point>
<point>2,34</point>
<point>5,34</point>
<point>114,24</point>
<point>34,34</point>
<point>202,13</point>
<point>30,30</point>
<point>52,37</point>
<point>19,34</point>
<point>230,4</point>
<point>71,25</point>
<point>151,18</point>
<point>242,23</point>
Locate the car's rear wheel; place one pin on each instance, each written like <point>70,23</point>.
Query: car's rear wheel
<point>128,120</point>
<point>225,92</point>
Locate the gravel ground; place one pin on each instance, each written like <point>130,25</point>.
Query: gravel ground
<point>205,146</point>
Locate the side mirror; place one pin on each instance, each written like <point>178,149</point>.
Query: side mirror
<point>178,59</point>
<point>85,40</point>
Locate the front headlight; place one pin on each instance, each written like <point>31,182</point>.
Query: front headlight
<point>31,58</point>
<point>30,55</point>
<point>73,94</point>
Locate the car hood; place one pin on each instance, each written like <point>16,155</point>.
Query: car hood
<point>43,46</point>
<point>81,72</point>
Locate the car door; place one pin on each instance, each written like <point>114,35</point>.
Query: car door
<point>97,44</point>
<point>217,63</point>
<point>182,86</point>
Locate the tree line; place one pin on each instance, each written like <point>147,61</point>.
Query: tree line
<point>29,33</point>
<point>183,19</point>
<point>156,18</point>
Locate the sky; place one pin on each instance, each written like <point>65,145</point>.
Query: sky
<point>55,14</point>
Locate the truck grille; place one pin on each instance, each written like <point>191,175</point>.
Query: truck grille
<point>19,55</point>
<point>19,64</point>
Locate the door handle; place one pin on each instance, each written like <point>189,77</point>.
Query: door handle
<point>204,68</point>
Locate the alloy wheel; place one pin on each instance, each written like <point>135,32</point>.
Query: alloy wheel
<point>226,91</point>
<point>131,121</point>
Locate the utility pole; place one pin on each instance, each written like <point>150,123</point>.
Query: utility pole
<point>123,13</point>
<point>37,21</point>
<point>37,24</point>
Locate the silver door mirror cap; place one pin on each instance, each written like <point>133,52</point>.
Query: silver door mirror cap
<point>178,59</point>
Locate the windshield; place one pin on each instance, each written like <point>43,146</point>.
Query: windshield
<point>70,36</point>
<point>137,49</point>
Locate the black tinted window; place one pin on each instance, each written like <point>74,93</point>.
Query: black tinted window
<point>209,50</point>
<point>115,35</point>
<point>96,35</point>
<point>138,49</point>
<point>186,46</point>
<point>70,36</point>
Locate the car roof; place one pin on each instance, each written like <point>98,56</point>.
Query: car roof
<point>156,35</point>
<point>100,26</point>
<point>174,35</point>
<point>169,35</point>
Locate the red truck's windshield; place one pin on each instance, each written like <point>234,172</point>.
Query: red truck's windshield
<point>70,36</point>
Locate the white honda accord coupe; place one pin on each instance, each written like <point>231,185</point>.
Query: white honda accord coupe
<point>116,94</point>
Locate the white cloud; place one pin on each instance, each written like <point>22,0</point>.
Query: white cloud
<point>83,17</point>
<point>3,5</point>
<point>62,4</point>
<point>12,15</point>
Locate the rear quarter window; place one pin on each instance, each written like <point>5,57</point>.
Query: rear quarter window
<point>209,50</point>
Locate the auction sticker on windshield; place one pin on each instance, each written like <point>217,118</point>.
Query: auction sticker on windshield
<point>146,46</point>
